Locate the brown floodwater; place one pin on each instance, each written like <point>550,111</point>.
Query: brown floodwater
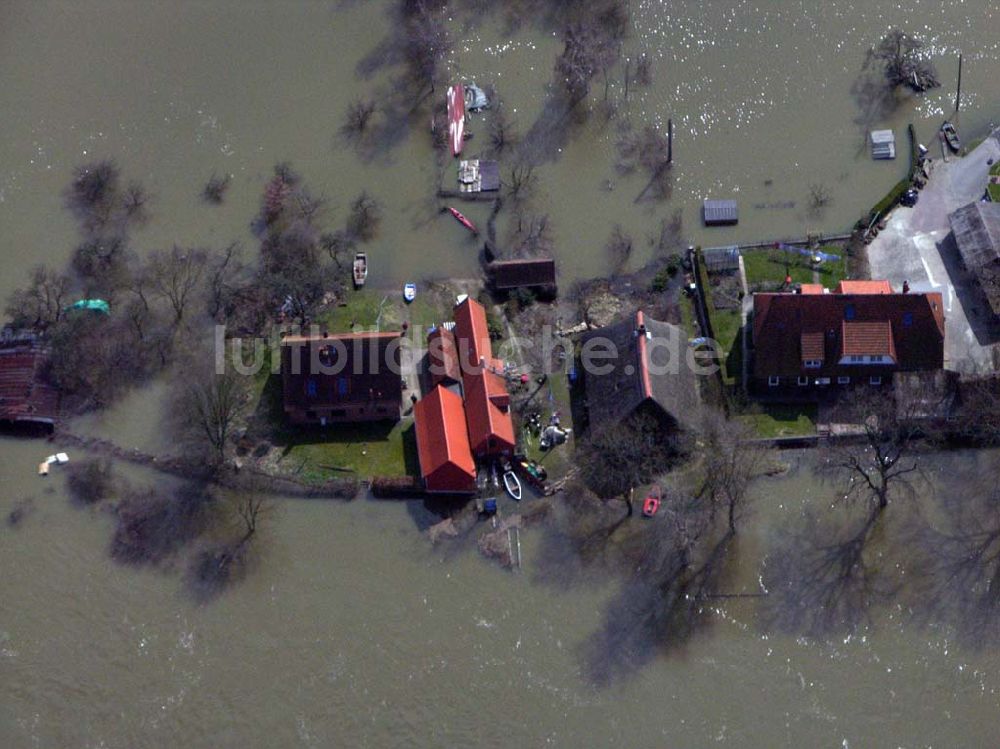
<point>352,630</point>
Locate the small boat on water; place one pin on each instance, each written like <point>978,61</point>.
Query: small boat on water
<point>652,502</point>
<point>463,220</point>
<point>409,292</point>
<point>360,269</point>
<point>512,485</point>
<point>456,118</point>
<point>950,135</point>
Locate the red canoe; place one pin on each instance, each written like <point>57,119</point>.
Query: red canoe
<point>456,117</point>
<point>463,221</point>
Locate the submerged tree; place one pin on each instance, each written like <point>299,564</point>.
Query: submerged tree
<point>176,276</point>
<point>42,302</point>
<point>733,459</point>
<point>903,62</point>
<point>881,464</point>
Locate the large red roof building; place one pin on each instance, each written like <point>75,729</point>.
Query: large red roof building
<point>862,332</point>
<point>446,463</point>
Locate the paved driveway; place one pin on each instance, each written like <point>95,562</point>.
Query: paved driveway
<point>917,246</point>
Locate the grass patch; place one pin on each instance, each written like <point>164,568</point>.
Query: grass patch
<point>367,309</point>
<point>781,420</point>
<point>767,268</point>
<point>351,451</point>
<point>726,324</point>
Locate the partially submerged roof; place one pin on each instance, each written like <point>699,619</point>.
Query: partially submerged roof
<point>446,462</point>
<point>527,273</point>
<point>976,227</point>
<point>25,395</point>
<point>650,366</point>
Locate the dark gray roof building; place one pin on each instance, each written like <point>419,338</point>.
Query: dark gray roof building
<point>720,212</point>
<point>650,371</point>
<point>527,273</point>
<point>976,228</point>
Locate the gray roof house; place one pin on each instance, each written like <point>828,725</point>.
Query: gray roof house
<point>649,371</point>
<point>976,228</point>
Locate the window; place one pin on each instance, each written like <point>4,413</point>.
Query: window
<point>342,386</point>
<point>814,363</point>
<point>803,381</point>
<point>773,381</point>
<point>855,359</point>
<point>311,388</point>
<point>907,319</point>
<point>849,312</point>
<point>843,380</point>
<point>875,380</point>
<point>822,380</point>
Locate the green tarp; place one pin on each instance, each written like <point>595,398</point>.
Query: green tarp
<point>96,305</point>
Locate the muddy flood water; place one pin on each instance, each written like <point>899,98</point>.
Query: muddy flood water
<point>352,630</point>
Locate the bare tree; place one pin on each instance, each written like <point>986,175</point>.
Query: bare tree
<point>501,129</point>
<point>364,219</point>
<point>339,246</point>
<point>426,43</point>
<point>626,455</point>
<point>224,562</point>
<point>880,465</point>
<point>224,279</point>
<point>210,406</point>
<point>819,197</point>
<point>41,303</point>
<point>357,118</point>
<point>646,150</point>
<point>903,62</point>
<point>521,184</point>
<point>587,50</point>
<point>176,276</point>
<point>733,459</point>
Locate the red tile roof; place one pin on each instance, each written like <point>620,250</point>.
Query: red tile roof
<point>446,462</point>
<point>868,339</point>
<point>863,287</point>
<point>913,322</point>
<point>813,347</point>
<point>472,334</point>
<point>442,354</point>
<point>25,396</point>
<point>491,429</point>
<point>811,288</point>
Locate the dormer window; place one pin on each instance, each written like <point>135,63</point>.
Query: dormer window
<point>813,363</point>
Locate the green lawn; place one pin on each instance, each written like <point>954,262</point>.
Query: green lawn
<point>769,267</point>
<point>368,307</point>
<point>780,420</point>
<point>726,325</point>
<point>350,451</point>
